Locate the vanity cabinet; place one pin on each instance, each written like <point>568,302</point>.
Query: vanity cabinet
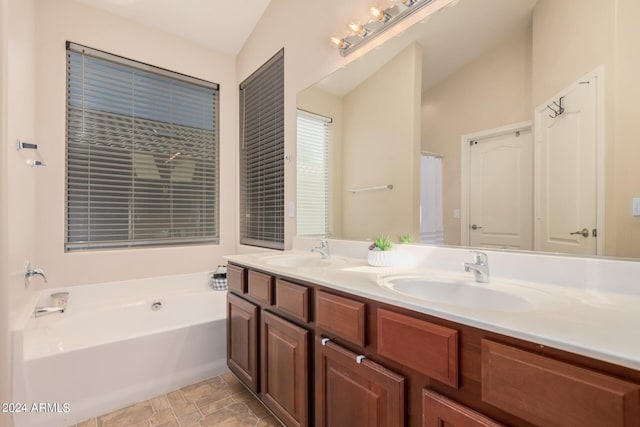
<point>320,356</point>
<point>354,391</point>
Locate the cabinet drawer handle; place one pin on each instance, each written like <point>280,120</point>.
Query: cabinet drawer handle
<point>324,341</point>
<point>360,358</point>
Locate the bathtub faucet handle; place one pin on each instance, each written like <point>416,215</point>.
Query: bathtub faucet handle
<point>30,272</point>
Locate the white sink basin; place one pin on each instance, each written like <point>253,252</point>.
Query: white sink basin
<point>488,296</point>
<point>302,260</point>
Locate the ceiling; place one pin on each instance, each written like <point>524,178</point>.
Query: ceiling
<point>221,25</point>
<point>450,38</point>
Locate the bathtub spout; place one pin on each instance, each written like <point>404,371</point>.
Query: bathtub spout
<point>43,311</point>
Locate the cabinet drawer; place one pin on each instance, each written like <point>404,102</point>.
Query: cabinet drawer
<point>426,347</point>
<point>438,411</point>
<point>260,287</point>
<point>545,391</point>
<point>341,316</point>
<point>293,299</point>
<point>236,278</point>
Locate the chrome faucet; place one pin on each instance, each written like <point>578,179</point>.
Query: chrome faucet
<point>480,266</point>
<point>43,311</point>
<point>323,249</point>
<point>30,272</point>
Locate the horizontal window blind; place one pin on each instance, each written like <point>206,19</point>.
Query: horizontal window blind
<point>262,156</point>
<point>142,154</point>
<point>313,174</point>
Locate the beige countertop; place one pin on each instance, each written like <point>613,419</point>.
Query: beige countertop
<point>591,322</point>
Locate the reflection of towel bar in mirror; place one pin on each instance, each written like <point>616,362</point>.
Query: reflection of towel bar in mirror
<point>379,187</point>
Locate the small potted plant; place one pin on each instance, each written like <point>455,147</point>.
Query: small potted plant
<point>405,238</point>
<point>380,253</point>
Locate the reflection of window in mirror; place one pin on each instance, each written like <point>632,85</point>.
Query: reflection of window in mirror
<point>431,229</point>
<point>313,174</point>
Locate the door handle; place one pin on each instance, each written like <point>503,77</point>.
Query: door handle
<point>584,232</point>
<point>475,227</point>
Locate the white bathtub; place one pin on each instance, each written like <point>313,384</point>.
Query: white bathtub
<point>110,349</point>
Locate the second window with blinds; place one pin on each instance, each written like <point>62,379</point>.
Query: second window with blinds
<point>262,156</point>
<point>313,174</point>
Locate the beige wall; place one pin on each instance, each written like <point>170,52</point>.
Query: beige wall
<point>64,20</point>
<point>17,220</point>
<point>570,39</point>
<point>492,91</point>
<point>5,343</point>
<point>21,183</point>
<point>303,28</point>
<point>328,105</point>
<point>381,135</point>
<point>626,173</point>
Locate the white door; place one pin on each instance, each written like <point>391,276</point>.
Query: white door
<point>501,191</point>
<point>566,202</point>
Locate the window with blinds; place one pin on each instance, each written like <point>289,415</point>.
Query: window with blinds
<point>142,154</point>
<point>313,174</point>
<point>262,156</point>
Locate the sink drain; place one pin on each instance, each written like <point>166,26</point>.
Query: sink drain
<point>156,305</point>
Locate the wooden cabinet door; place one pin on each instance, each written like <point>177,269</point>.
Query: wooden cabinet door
<point>355,394</point>
<point>285,369</point>
<point>242,340</point>
<point>438,411</point>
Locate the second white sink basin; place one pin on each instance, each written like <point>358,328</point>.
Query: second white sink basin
<point>460,293</point>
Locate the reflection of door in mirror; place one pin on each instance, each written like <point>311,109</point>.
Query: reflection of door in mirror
<point>499,188</point>
<point>567,199</point>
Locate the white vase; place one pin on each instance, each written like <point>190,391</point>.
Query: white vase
<point>380,258</point>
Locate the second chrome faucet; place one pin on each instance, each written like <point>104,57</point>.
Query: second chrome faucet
<point>480,266</point>
<point>323,249</point>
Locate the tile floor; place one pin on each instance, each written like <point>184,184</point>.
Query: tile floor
<point>219,401</point>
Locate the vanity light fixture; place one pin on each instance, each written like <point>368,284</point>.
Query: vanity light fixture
<point>381,20</point>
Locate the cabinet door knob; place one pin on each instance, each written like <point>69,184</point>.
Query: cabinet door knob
<point>360,358</point>
<point>324,341</point>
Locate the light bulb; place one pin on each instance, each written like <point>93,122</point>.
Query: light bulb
<point>376,13</point>
<point>357,29</point>
<point>338,42</point>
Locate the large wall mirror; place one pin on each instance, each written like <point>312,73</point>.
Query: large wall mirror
<point>493,123</point>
